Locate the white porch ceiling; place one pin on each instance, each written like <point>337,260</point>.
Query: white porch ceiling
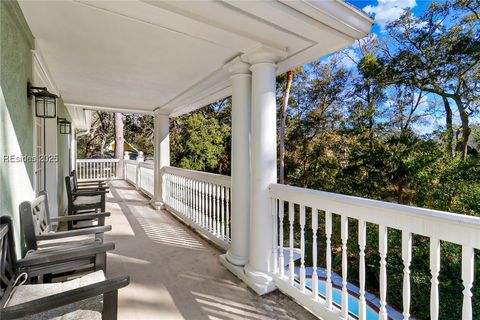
<point>169,56</point>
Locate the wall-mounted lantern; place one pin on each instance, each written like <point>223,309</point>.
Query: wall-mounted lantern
<point>65,126</point>
<point>45,102</point>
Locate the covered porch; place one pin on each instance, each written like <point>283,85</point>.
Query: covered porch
<point>175,273</point>
<point>168,58</point>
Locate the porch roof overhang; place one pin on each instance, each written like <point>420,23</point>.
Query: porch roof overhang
<point>170,56</point>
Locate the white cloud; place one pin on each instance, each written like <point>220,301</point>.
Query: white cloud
<point>387,11</point>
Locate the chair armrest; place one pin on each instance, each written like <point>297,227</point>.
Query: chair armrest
<point>63,298</point>
<point>73,233</point>
<point>95,183</point>
<point>68,254</point>
<point>91,188</point>
<point>89,192</point>
<point>81,216</point>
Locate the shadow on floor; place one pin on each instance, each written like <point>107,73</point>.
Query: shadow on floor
<point>175,274</point>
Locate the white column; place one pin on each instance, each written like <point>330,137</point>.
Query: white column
<point>161,155</point>
<point>241,112</point>
<point>263,166</point>
<point>51,168</point>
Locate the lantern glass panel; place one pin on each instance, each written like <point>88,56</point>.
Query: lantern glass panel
<point>65,127</point>
<point>45,107</point>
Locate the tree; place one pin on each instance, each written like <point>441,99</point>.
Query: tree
<point>94,142</point>
<point>283,118</point>
<point>201,140</point>
<point>119,140</point>
<point>438,58</point>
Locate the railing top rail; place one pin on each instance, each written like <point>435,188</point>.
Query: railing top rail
<point>98,160</point>
<point>219,179</point>
<point>456,228</point>
<point>148,165</point>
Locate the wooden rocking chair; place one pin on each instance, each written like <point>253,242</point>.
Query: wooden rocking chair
<point>89,297</point>
<point>83,201</point>
<point>40,233</point>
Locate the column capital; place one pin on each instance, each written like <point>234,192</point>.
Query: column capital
<point>238,66</point>
<point>159,112</point>
<point>264,54</point>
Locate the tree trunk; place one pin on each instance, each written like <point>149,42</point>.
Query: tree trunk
<point>449,122</point>
<point>283,123</point>
<point>119,143</point>
<point>102,148</point>
<point>400,192</point>
<point>465,125</point>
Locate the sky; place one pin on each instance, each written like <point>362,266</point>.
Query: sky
<point>384,12</point>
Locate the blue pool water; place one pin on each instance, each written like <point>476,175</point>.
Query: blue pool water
<point>337,298</point>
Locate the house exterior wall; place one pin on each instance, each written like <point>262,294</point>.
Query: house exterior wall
<point>16,114</point>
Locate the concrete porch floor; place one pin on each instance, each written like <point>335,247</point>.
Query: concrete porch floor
<point>174,273</point>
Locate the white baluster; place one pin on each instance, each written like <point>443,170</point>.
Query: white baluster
<point>382,248</point>
<point>281,258</point>
<point>217,210</point>
<point>314,253</point>
<point>228,213</point>
<point>434,270</point>
<point>275,237</point>
<point>302,248</point>
<point>187,197</point>
<point>328,234</point>
<point>407,258</point>
<point>207,199</point>
<point>467,278</point>
<point>195,194</point>
<point>184,196</point>
<point>222,204</point>
<point>214,210</point>
<point>362,241</point>
<point>291,265</point>
<point>202,213</point>
<point>344,234</point>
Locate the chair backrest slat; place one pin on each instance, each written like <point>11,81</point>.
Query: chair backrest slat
<point>69,186</point>
<point>73,174</point>
<point>8,259</point>
<point>35,220</point>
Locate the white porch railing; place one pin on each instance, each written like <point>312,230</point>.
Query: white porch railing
<point>199,199</point>
<point>140,174</point>
<point>96,169</point>
<point>202,200</point>
<point>296,209</point>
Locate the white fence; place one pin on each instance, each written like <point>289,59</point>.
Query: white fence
<point>97,169</point>
<point>296,210</point>
<point>140,174</point>
<point>202,200</point>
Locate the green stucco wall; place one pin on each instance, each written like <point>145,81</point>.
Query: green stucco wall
<point>16,116</point>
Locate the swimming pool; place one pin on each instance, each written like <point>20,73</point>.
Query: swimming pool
<point>353,303</point>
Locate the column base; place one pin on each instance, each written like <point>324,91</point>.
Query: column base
<point>157,205</point>
<point>236,260</point>
<point>260,282</point>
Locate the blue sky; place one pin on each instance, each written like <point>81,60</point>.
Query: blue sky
<point>386,11</point>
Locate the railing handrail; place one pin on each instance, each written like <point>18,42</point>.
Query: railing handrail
<point>147,165</point>
<point>214,178</point>
<point>456,228</point>
<point>98,160</point>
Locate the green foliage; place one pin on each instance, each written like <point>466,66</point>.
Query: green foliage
<point>201,140</point>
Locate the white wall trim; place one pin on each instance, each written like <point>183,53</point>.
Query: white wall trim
<point>40,68</point>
